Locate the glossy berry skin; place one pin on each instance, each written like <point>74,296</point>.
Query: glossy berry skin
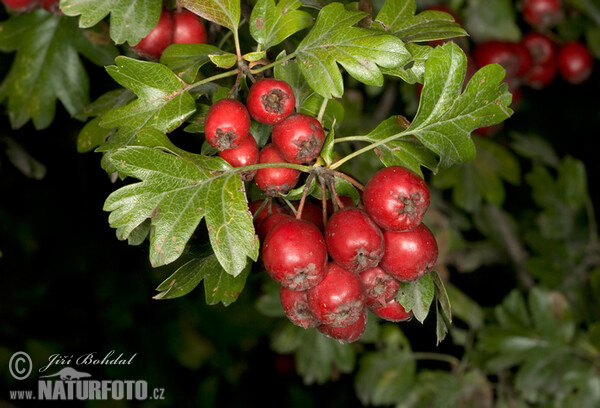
<point>270,208</point>
<point>275,180</point>
<point>541,75</point>
<point>246,154</point>
<point>409,254</point>
<point>346,334</point>
<point>497,52</point>
<point>380,286</point>
<point>299,138</point>
<point>161,36</point>
<point>392,311</point>
<point>396,198</point>
<point>188,29</point>
<point>296,308</point>
<point>311,213</point>
<point>295,255</point>
<point>524,57</point>
<point>542,13</point>
<point>19,5</point>
<point>270,100</point>
<point>227,124</point>
<point>540,46</point>
<point>265,226</point>
<point>339,299</point>
<point>353,240</point>
<point>575,62</point>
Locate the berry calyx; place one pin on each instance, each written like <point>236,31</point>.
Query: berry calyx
<point>409,254</point>
<point>380,286</point>
<point>346,334</point>
<point>270,100</point>
<point>294,254</point>
<point>396,198</point>
<point>339,299</point>
<point>296,308</point>
<point>299,138</point>
<point>188,29</point>
<point>353,240</point>
<point>275,180</point>
<point>159,38</point>
<point>575,62</point>
<point>392,311</point>
<point>246,154</point>
<point>227,124</point>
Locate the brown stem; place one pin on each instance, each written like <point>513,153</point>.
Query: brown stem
<point>309,180</point>
<point>324,201</point>
<point>346,177</point>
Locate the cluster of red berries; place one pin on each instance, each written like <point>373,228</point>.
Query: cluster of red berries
<point>173,27</point>
<point>295,137</point>
<point>29,5</point>
<point>331,276</point>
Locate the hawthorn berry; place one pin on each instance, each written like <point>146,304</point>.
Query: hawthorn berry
<point>409,254</point>
<point>268,209</point>
<point>188,29</point>
<point>227,124</point>
<point>339,299</point>
<point>380,286</point>
<point>19,5</point>
<point>346,334</point>
<point>540,46</point>
<point>542,13</point>
<point>159,38</point>
<point>245,154</point>
<point>353,240</point>
<point>497,52</point>
<point>296,308</point>
<point>575,62</point>
<point>298,137</point>
<point>311,213</point>
<point>541,75</point>
<point>396,198</point>
<point>50,5</point>
<point>265,226</point>
<point>275,180</point>
<point>392,311</point>
<point>270,100</point>
<point>294,254</point>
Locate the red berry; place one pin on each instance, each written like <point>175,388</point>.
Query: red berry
<point>541,75</point>
<point>161,36</point>
<point>542,13</point>
<point>541,47</point>
<point>270,208</point>
<point>19,5</point>
<point>346,334</point>
<point>353,240</point>
<point>298,137</point>
<point>346,202</point>
<point>381,287</point>
<point>311,213</point>
<point>188,29</point>
<point>296,308</point>
<point>265,226</point>
<point>396,198</point>
<point>227,124</point>
<point>575,62</point>
<point>497,52</point>
<point>270,100</point>
<point>524,57</point>
<point>50,5</point>
<point>409,254</point>
<point>392,311</point>
<point>246,154</point>
<point>339,299</point>
<point>275,180</point>
<point>295,255</point>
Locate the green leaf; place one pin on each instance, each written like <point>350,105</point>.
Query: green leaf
<point>219,286</point>
<point>536,148</point>
<point>417,296</point>
<point>327,152</point>
<point>398,17</point>
<point>360,51</point>
<point>412,71</point>
<point>186,59</point>
<point>465,308</point>
<point>176,193</point>
<point>226,60</point>
<point>495,20</point>
<point>22,160</point>
<point>223,12</point>
<point>162,103</point>
<point>130,20</point>
<point>385,376</point>
<point>407,152</point>
<point>271,24</point>
<point>446,117</point>
<point>254,56</point>
<point>46,66</point>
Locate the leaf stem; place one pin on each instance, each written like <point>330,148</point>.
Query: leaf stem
<point>274,63</point>
<point>420,355</point>
<point>351,180</point>
<point>309,180</point>
<point>366,149</point>
<point>322,110</point>
<point>236,40</point>
<point>210,79</point>
<point>353,139</point>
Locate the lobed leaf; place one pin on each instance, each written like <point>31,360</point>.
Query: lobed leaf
<point>130,20</point>
<point>186,59</point>
<point>271,23</point>
<point>176,193</point>
<point>417,296</point>
<point>223,12</point>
